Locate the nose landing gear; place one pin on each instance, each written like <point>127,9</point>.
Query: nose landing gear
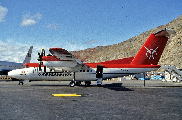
<point>20,82</point>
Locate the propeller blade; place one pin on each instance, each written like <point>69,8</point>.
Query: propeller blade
<point>40,58</point>
<point>39,67</point>
<point>41,54</point>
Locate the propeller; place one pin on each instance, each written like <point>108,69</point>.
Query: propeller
<point>40,58</point>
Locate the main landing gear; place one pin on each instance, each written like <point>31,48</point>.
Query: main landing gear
<point>72,83</point>
<point>87,83</point>
<point>78,83</point>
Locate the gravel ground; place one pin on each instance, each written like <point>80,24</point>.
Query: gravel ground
<point>113,100</point>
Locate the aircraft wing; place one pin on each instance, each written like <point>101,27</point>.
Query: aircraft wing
<point>61,60</point>
<point>63,54</point>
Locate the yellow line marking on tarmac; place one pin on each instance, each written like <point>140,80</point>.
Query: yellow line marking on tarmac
<point>66,95</point>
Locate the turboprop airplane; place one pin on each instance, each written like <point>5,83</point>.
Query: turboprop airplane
<point>61,65</point>
<point>6,66</point>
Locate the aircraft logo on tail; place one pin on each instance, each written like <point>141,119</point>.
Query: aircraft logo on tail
<point>151,54</point>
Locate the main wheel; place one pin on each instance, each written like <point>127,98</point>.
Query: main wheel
<point>72,84</point>
<point>78,83</point>
<point>87,83</point>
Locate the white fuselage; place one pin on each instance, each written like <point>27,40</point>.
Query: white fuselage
<point>8,66</point>
<point>89,74</point>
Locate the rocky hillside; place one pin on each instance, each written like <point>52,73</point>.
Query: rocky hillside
<point>172,54</point>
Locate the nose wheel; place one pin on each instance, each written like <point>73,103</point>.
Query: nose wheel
<point>20,83</point>
<point>87,83</point>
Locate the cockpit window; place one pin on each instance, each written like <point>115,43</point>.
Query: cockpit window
<point>26,66</point>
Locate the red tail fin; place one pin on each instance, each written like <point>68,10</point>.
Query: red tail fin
<point>151,51</point>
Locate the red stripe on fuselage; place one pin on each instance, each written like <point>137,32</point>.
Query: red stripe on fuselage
<point>94,65</point>
<point>27,65</point>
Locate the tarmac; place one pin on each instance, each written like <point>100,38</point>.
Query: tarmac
<point>116,100</point>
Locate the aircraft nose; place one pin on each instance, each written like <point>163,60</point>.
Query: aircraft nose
<point>10,73</point>
<point>13,74</point>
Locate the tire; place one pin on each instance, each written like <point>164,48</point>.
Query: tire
<point>72,84</point>
<point>87,83</point>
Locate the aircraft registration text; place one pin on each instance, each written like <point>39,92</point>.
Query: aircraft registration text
<point>54,74</point>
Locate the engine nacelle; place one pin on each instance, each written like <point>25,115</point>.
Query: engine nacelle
<point>59,63</point>
<point>53,61</point>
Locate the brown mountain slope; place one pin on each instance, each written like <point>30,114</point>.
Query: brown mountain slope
<point>172,54</point>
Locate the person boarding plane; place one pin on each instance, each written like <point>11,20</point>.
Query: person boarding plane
<point>6,66</point>
<point>61,65</point>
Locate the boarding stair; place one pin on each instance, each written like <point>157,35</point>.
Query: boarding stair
<point>5,77</point>
<point>172,70</point>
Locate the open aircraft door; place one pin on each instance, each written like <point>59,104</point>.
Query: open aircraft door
<point>99,74</point>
